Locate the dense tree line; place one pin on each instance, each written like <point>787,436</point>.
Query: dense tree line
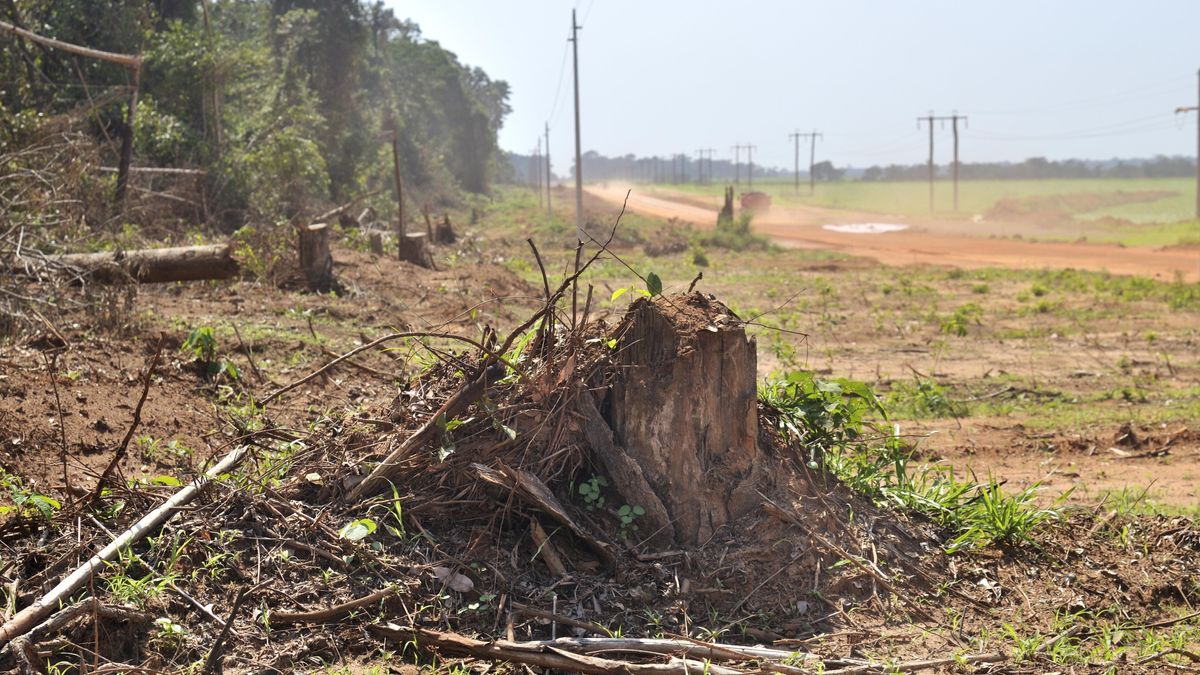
<point>287,103</point>
<point>1036,168</point>
<point>663,169</point>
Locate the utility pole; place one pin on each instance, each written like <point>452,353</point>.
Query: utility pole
<point>536,174</point>
<point>930,119</point>
<point>795,137</point>
<point>812,137</point>
<point>737,164</point>
<point>549,175</point>
<point>750,165</point>
<point>954,125</point>
<point>578,154</point>
<point>1195,109</point>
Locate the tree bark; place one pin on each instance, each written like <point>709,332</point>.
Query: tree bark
<point>315,258</point>
<point>414,248</point>
<point>684,409</point>
<point>444,234</point>
<point>156,265</point>
<point>375,241</point>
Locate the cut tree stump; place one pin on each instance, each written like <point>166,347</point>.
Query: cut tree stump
<point>375,241</point>
<point>157,265</point>
<point>414,248</point>
<point>315,258</point>
<point>684,409</point>
<point>726,214</point>
<point>444,234</point>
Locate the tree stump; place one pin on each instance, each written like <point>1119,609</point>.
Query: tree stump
<point>375,241</point>
<point>726,214</point>
<point>315,258</point>
<point>413,247</point>
<point>684,410</point>
<point>444,234</point>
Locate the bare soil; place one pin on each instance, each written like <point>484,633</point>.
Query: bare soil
<point>884,591</point>
<point>925,242</point>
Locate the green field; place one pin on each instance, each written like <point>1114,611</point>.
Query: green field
<point>1136,212</point>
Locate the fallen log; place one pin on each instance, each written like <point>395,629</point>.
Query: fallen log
<point>147,266</point>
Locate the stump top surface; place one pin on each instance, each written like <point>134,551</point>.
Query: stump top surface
<point>691,313</point>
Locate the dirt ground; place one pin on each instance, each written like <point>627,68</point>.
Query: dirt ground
<point>926,241</point>
<point>1074,381</point>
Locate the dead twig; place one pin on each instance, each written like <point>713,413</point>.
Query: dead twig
<point>526,610</point>
<point>213,661</point>
<point>335,612</point>
<point>137,420</point>
<point>27,618</point>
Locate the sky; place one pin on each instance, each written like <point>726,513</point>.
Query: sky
<point>1088,79</point>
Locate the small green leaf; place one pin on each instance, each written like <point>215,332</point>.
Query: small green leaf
<point>624,510</point>
<point>618,293</point>
<point>639,511</point>
<point>654,284</point>
<point>169,481</point>
<point>358,530</point>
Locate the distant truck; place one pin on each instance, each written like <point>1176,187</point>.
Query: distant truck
<point>756,201</point>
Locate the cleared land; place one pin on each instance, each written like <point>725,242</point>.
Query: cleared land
<point>1045,380</point>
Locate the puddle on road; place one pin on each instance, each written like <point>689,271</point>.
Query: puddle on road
<point>865,228</point>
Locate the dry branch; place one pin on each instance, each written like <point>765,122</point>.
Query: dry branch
<point>122,59</point>
<point>27,618</point>
<point>335,612</point>
<point>553,654</point>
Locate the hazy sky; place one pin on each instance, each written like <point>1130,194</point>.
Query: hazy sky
<point>1056,78</point>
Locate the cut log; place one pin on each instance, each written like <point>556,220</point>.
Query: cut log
<point>414,248</point>
<point>156,265</point>
<point>685,410</point>
<point>315,258</point>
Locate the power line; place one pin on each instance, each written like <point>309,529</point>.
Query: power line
<point>562,69</point>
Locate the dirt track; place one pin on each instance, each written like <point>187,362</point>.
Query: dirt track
<point>924,242</point>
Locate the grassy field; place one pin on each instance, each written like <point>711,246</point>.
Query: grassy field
<point>1135,212</point>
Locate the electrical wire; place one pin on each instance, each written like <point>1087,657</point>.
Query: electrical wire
<point>1170,85</point>
<point>562,70</point>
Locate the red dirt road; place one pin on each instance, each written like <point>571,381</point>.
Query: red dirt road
<point>934,243</point>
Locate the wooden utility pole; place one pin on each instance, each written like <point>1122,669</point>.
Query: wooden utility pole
<point>954,125</point>
<point>1195,109</point>
<point>930,119</point>
<point>578,154</point>
<point>536,174</point>
<point>132,63</point>
<point>549,174</point>
<point>399,183</point>
<point>750,165</point>
<point>812,137</point>
<point>700,176</point>
<point>737,164</point>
